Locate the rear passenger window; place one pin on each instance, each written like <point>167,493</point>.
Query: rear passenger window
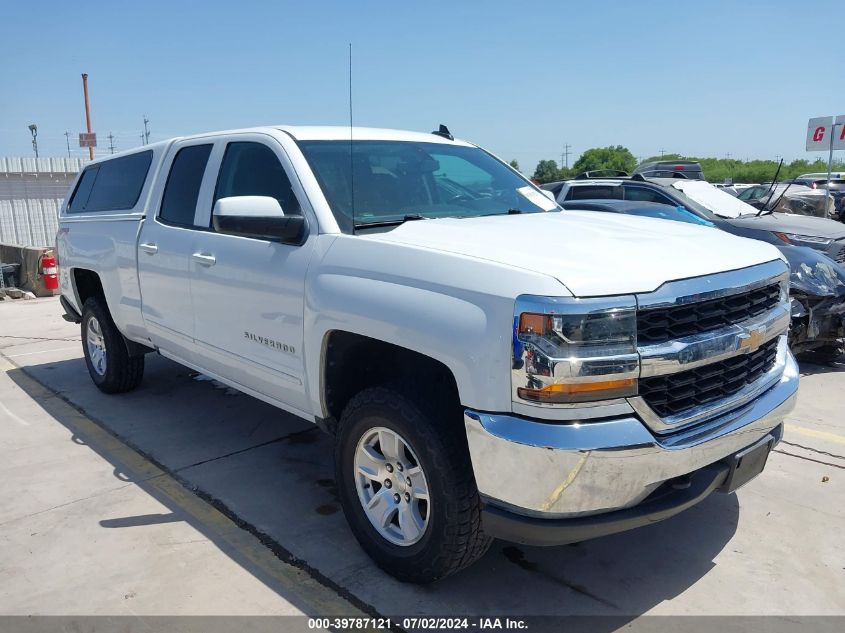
<point>594,192</point>
<point>113,185</point>
<point>83,190</point>
<point>252,169</point>
<point>179,202</point>
<point>641,194</point>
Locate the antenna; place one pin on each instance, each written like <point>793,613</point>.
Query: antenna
<point>351,159</point>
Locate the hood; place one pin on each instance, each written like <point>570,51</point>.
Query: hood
<point>791,223</point>
<point>591,253</point>
<point>719,202</point>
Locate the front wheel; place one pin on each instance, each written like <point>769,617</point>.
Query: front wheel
<point>406,485</point>
<point>111,367</point>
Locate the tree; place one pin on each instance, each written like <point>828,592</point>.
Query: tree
<point>613,157</point>
<point>547,171</point>
<point>514,164</point>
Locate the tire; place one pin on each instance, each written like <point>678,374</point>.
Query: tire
<point>433,437</point>
<point>109,364</point>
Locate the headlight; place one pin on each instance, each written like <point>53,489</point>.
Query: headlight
<point>803,240</point>
<point>575,350</point>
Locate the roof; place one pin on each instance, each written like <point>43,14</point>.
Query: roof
<point>342,133</point>
<point>669,162</point>
<point>307,133</point>
<point>613,182</point>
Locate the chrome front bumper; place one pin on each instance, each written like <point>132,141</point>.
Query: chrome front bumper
<point>555,470</point>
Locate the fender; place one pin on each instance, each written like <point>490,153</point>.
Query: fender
<point>419,299</point>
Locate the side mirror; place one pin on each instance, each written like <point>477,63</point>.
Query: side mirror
<point>257,217</point>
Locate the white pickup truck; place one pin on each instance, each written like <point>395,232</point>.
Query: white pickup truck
<point>490,365</point>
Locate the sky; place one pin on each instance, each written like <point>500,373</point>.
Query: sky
<point>522,79</point>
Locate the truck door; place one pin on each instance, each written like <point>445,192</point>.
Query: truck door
<point>248,294</point>
<point>165,245</point>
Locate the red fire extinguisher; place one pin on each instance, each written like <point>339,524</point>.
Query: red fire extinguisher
<point>50,271</point>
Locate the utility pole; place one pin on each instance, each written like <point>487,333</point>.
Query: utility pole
<point>142,138</point>
<point>87,112</point>
<point>111,142</point>
<point>564,157</point>
<point>829,160</point>
<point>146,130</point>
<point>67,139</point>
<point>661,153</point>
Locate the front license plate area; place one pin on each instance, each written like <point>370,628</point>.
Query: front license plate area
<point>748,463</point>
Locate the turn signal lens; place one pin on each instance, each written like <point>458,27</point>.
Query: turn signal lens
<point>559,393</point>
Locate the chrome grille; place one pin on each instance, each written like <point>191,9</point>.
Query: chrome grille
<point>658,325</point>
<point>672,394</point>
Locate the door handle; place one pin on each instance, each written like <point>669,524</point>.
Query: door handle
<point>206,259</point>
<point>150,248</point>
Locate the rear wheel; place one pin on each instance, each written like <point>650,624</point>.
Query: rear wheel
<point>406,485</point>
<point>111,367</point>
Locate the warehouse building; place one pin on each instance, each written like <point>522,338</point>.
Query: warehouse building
<point>31,193</point>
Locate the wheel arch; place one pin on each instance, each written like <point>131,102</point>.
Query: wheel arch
<point>351,362</point>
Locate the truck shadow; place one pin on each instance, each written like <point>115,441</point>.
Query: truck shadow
<point>272,474</point>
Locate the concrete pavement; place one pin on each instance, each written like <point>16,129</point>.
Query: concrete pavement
<point>773,548</point>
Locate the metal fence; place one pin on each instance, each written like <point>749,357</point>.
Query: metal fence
<point>31,193</point>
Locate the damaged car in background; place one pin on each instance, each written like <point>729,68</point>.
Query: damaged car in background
<point>790,197</point>
<point>817,295</point>
<point>816,282</point>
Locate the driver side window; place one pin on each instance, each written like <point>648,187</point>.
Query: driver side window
<point>252,169</point>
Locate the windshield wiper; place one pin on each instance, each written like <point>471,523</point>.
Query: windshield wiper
<point>379,223</point>
<point>488,215</point>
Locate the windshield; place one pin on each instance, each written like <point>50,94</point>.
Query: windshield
<point>393,181</point>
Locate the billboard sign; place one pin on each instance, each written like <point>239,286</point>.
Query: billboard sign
<point>87,139</point>
<point>819,131</point>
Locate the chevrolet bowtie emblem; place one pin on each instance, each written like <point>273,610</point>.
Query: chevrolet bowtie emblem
<point>752,340</point>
